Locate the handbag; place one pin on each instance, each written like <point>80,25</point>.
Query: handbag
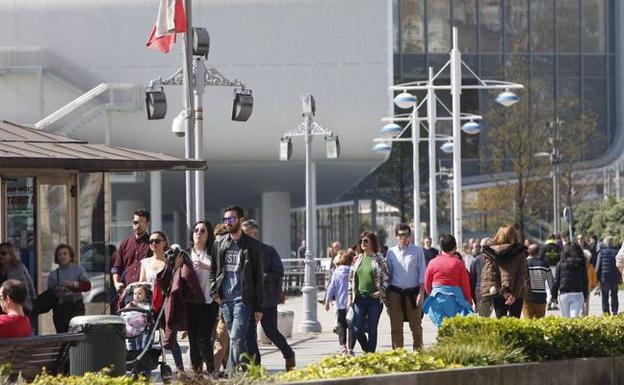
<point>350,315</point>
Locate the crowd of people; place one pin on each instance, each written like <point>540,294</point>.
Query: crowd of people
<point>226,283</point>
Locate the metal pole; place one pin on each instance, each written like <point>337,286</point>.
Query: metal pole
<point>188,107</point>
<point>200,83</point>
<point>456,83</point>
<point>416,171</point>
<point>431,115</point>
<point>310,322</point>
<point>556,208</point>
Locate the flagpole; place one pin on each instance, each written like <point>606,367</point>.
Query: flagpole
<point>189,108</point>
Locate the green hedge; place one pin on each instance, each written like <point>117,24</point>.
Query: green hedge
<point>547,338</point>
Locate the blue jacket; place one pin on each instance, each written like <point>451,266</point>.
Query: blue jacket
<point>605,266</point>
<point>445,302</point>
<point>338,289</point>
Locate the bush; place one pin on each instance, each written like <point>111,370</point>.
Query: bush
<point>548,338</point>
<point>468,349</point>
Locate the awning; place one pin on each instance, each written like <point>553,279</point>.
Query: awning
<point>24,147</point>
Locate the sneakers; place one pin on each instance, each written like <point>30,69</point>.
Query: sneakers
<point>290,363</point>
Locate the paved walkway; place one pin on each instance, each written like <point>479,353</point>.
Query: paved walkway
<point>313,347</point>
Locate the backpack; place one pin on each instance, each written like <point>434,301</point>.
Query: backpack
<point>551,253</point>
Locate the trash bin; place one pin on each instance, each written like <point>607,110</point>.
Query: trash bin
<point>285,320</point>
<point>104,345</point>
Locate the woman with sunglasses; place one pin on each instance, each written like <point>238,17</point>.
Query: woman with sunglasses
<point>204,319</point>
<point>150,267</point>
<point>12,268</point>
<point>368,280</point>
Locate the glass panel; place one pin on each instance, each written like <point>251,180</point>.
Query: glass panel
<point>542,96</point>
<point>20,220</point>
<point>568,25</point>
<point>543,66</point>
<point>595,101</point>
<point>568,65</point>
<point>95,250</point>
<point>490,25</point>
<point>396,20</point>
<point>542,22</point>
<point>517,25</point>
<point>414,67</point>
<point>54,216</point>
<point>568,98</point>
<point>439,26</point>
<point>491,66</point>
<point>594,66</point>
<point>593,26</point>
<point>465,19</point>
<point>413,26</point>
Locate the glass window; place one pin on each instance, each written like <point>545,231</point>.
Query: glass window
<point>542,22</point>
<point>490,25</point>
<point>568,92</point>
<point>491,66</point>
<point>396,18</point>
<point>439,26</point>
<point>516,24</point>
<point>568,65</point>
<point>414,67</point>
<point>593,28</point>
<point>595,101</point>
<point>412,26</point>
<point>568,25</point>
<point>465,19</point>
<point>542,96</point>
<point>594,66</point>
<point>543,66</point>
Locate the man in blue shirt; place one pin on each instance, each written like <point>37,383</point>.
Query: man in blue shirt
<point>405,295</point>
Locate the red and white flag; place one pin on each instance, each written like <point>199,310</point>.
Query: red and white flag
<point>171,20</point>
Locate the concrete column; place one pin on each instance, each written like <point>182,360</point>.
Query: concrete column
<point>156,200</point>
<point>275,222</point>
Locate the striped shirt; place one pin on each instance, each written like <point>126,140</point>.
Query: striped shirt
<point>539,274</point>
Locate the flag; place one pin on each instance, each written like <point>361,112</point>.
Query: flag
<point>171,20</point>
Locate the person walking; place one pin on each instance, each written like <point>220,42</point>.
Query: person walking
<point>483,306</point>
<point>237,281</point>
<point>204,315</point>
<point>608,275</point>
<point>68,281</point>
<point>273,275</point>
<point>126,261</point>
<point>338,291</point>
<point>429,251</point>
<point>539,274</point>
<point>13,323</point>
<point>447,284</point>
<point>368,280</point>
<point>570,283</point>
<point>504,276</point>
<point>406,291</point>
<point>12,268</point>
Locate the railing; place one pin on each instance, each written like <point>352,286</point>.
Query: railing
<point>294,274</point>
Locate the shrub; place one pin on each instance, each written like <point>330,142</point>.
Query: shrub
<point>469,349</point>
<point>547,338</point>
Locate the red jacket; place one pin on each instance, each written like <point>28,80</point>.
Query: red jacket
<point>448,270</point>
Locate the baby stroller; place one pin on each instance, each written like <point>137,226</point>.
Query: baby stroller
<point>145,351</point>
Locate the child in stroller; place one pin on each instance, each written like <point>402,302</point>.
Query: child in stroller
<point>141,326</point>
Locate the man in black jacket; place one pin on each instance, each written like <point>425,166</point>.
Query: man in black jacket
<point>273,274</point>
<point>236,280</point>
<point>608,275</point>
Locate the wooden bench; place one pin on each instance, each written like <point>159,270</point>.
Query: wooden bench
<point>30,355</point>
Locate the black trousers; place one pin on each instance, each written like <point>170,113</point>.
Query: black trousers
<point>502,310</point>
<point>269,325</point>
<point>64,312</point>
<point>201,322</point>
<point>345,332</point>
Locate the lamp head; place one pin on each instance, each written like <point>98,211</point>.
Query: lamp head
<point>332,147</point>
<point>285,151</point>
<point>471,128</point>
<point>447,148</point>
<point>155,103</point>
<point>405,100</point>
<point>382,147</point>
<point>178,126</point>
<point>242,105</point>
<point>507,98</point>
<point>391,129</point>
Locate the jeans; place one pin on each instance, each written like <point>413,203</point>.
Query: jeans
<point>612,289</point>
<point>366,318</point>
<point>236,315</point>
<point>269,325</point>
<point>571,304</point>
<point>201,324</point>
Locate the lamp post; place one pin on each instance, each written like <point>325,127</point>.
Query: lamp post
<point>506,98</point>
<point>194,76</point>
<point>554,157</point>
<point>308,129</point>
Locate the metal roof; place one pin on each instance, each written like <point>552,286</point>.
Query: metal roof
<point>24,147</point>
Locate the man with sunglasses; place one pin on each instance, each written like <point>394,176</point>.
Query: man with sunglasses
<point>237,283</point>
<point>127,259</point>
<point>13,323</point>
<point>405,293</point>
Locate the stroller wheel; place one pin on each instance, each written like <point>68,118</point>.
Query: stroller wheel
<point>166,373</point>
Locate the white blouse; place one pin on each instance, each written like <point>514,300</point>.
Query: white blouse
<point>203,275</point>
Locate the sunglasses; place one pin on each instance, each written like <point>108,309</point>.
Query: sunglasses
<point>365,240</point>
<point>401,234</point>
<point>230,220</point>
<point>199,230</point>
<point>155,241</point>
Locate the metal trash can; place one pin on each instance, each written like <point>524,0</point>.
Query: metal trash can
<point>104,345</point>
<point>285,319</point>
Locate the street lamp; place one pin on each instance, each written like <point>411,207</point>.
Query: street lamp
<point>554,157</point>
<point>189,122</point>
<point>507,98</point>
<point>308,128</point>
